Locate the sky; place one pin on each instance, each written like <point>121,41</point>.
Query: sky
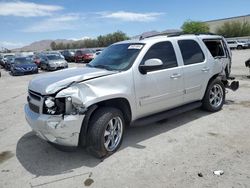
<point>25,21</point>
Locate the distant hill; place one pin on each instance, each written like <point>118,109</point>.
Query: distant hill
<point>45,44</point>
<point>40,45</point>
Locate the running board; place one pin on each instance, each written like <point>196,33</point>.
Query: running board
<point>167,114</point>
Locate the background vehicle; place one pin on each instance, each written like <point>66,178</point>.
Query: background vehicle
<point>23,66</point>
<point>9,60</point>
<point>69,55</point>
<point>5,58</point>
<point>53,61</point>
<point>84,55</point>
<point>152,79</point>
<point>234,44</point>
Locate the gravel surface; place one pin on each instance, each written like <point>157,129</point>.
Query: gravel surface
<point>183,151</point>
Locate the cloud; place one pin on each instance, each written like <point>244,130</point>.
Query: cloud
<point>63,22</point>
<point>10,45</point>
<point>27,9</point>
<point>132,16</point>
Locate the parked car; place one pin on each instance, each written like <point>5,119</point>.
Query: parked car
<point>9,60</point>
<point>5,58</point>
<point>23,66</point>
<point>234,44</point>
<point>84,55</point>
<point>53,61</point>
<point>130,82</point>
<point>69,55</point>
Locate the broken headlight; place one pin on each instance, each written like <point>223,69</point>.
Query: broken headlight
<point>54,106</point>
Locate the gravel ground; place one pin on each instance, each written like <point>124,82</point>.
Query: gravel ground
<point>166,154</point>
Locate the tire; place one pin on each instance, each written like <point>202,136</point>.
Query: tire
<point>239,47</point>
<point>215,96</point>
<point>103,138</point>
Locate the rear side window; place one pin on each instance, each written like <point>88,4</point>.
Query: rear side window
<point>191,52</point>
<point>163,51</point>
<point>215,47</point>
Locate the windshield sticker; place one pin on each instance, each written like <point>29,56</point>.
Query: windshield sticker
<point>135,46</point>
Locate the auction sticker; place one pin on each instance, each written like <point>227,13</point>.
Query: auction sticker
<point>135,46</point>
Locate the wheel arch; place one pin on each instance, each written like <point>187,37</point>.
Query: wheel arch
<point>120,103</point>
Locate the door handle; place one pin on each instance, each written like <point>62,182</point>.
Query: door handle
<point>205,69</point>
<point>175,76</point>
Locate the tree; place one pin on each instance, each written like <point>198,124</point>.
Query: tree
<point>234,29</point>
<point>53,45</point>
<point>194,27</point>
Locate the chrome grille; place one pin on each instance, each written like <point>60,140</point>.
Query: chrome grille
<point>35,95</point>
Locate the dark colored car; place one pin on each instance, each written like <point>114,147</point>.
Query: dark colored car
<point>9,60</point>
<point>69,55</point>
<point>22,66</point>
<point>84,56</point>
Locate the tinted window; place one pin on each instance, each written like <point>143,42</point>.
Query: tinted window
<point>163,51</point>
<point>191,52</point>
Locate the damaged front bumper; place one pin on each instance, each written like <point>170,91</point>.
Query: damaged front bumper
<point>58,129</point>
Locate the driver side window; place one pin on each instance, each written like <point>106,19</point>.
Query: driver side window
<point>163,51</point>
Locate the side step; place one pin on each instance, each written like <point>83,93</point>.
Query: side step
<point>167,114</point>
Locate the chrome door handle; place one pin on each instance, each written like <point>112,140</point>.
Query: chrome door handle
<point>205,69</point>
<point>175,76</point>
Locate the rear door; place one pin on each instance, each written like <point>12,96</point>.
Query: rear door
<point>195,69</point>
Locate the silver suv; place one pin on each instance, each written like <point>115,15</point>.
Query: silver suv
<point>130,82</point>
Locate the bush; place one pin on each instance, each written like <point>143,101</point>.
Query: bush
<point>234,29</point>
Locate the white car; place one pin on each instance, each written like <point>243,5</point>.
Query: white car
<point>130,82</point>
<point>234,44</point>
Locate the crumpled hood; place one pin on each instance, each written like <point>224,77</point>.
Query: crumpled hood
<point>50,83</point>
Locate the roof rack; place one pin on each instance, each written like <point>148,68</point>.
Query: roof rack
<point>174,34</point>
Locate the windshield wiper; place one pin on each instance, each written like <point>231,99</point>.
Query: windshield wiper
<point>101,67</point>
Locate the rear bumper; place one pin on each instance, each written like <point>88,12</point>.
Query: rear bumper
<point>56,129</point>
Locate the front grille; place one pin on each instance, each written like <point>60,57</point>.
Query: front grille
<point>34,108</point>
<point>35,95</point>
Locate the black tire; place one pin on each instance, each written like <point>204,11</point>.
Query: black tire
<point>98,124</point>
<point>239,47</point>
<point>214,105</point>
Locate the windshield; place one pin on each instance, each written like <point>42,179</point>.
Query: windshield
<point>117,57</point>
<point>20,61</point>
<point>54,57</point>
<point>9,57</point>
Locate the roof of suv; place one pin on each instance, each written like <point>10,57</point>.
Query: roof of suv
<point>164,37</point>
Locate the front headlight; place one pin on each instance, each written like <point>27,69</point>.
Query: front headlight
<point>49,102</point>
<point>54,106</point>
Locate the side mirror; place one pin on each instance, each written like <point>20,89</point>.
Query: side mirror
<point>150,65</point>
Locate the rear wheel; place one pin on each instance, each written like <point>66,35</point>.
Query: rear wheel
<point>215,96</point>
<point>106,131</point>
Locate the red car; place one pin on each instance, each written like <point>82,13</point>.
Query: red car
<point>84,56</point>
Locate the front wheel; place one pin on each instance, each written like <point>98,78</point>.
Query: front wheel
<point>215,96</point>
<point>106,131</point>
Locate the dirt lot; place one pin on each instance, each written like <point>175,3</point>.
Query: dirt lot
<point>167,154</point>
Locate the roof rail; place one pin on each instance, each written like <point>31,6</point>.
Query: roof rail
<point>174,34</point>
<point>162,34</point>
